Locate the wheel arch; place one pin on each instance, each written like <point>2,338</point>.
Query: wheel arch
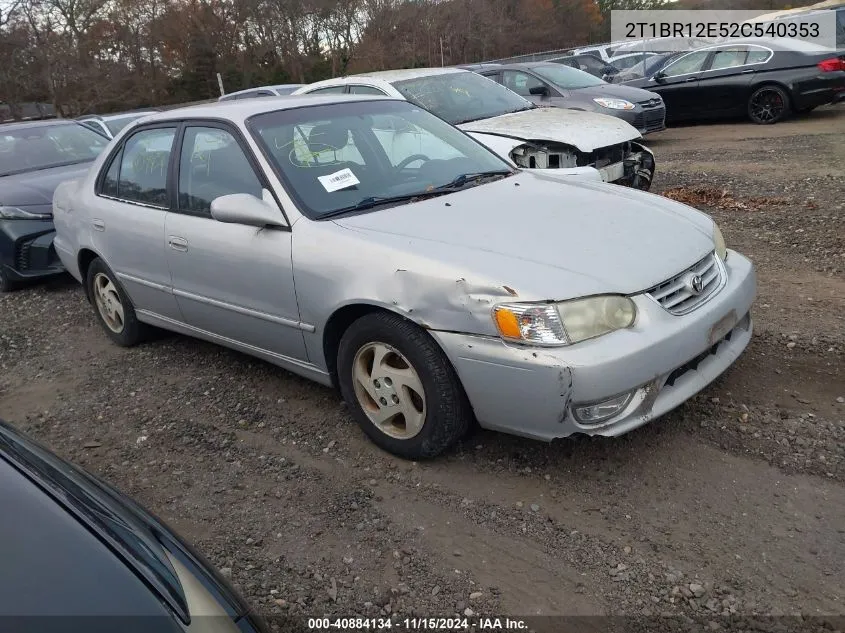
<point>343,317</point>
<point>83,259</point>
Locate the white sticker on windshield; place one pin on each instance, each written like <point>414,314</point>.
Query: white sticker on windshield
<point>338,180</point>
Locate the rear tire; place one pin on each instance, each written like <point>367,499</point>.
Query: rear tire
<point>401,388</point>
<point>768,105</point>
<point>113,307</point>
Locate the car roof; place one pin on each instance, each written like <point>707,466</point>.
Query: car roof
<point>409,73</point>
<point>117,115</point>
<point>20,125</point>
<point>242,109</point>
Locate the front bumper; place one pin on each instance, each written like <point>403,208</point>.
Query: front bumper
<point>26,250</point>
<point>662,361</point>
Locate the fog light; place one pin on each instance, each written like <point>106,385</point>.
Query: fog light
<point>601,411</point>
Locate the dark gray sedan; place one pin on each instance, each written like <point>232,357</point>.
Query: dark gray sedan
<point>34,158</point>
<point>548,83</point>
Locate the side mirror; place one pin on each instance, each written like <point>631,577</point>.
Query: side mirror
<point>243,208</point>
<point>659,76</point>
<point>539,91</point>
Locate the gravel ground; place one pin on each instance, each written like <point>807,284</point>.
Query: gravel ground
<point>730,507</point>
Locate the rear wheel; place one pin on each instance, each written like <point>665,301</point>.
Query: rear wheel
<point>768,104</point>
<point>401,387</point>
<point>113,307</point>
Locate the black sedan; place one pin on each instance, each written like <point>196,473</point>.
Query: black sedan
<point>551,84</point>
<point>34,158</point>
<point>75,548</point>
<point>764,80</point>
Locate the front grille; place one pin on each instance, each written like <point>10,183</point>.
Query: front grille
<point>678,296</point>
<point>652,119</point>
<point>651,103</point>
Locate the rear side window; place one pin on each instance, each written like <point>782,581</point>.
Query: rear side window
<point>336,90</point>
<point>365,90</point>
<point>758,55</point>
<point>143,167</point>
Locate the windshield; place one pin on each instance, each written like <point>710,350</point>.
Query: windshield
<point>116,125</point>
<point>24,149</point>
<point>334,157</point>
<point>566,77</point>
<point>461,97</point>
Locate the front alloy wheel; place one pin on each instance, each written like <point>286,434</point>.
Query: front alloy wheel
<point>400,386</point>
<point>389,390</point>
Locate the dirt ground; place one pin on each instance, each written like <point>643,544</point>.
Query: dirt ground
<point>732,505</point>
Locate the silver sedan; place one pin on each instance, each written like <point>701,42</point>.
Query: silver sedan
<point>366,244</point>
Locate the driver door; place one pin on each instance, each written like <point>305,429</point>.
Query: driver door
<point>678,85</point>
<point>522,83</point>
<point>230,280</point>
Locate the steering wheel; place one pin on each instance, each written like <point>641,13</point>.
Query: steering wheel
<point>410,159</point>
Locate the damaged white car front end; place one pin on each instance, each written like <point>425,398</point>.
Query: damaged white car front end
<point>560,142</point>
<point>571,142</point>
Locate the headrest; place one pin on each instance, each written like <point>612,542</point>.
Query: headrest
<point>328,137</point>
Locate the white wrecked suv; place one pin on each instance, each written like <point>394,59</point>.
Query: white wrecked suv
<point>570,142</point>
<point>432,292</point>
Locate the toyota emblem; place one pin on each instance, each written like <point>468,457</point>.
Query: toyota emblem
<point>695,284</point>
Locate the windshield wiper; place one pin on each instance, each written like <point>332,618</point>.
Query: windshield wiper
<point>464,179</point>
<point>377,201</point>
<point>453,185</point>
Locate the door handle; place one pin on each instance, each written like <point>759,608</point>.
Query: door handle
<point>177,243</point>
<point>98,225</point>
<point>747,72</point>
<point>692,79</point>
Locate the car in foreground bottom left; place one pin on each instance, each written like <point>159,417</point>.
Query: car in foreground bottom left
<point>79,555</point>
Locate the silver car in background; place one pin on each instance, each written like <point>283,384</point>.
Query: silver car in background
<point>434,289</point>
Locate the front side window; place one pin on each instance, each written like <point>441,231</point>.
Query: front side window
<point>460,97</point>
<point>212,164</point>
<point>143,167</point>
<point>521,83</point>
<point>567,78</point>
<point>691,63</point>
<point>46,146</point>
<point>334,157</point>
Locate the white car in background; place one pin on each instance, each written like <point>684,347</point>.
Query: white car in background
<point>561,141</point>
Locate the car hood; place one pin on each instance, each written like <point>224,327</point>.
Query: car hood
<point>37,187</point>
<point>611,91</point>
<point>586,131</point>
<point>551,240</point>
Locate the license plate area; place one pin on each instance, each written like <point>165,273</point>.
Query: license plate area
<point>613,172</point>
<point>721,328</point>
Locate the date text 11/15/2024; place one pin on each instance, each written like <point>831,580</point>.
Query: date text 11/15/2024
<point>417,624</point>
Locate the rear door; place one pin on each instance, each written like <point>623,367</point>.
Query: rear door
<point>725,83</point>
<point>231,280</point>
<point>128,216</point>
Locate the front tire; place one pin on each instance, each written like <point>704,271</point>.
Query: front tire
<point>112,306</point>
<point>401,388</point>
<point>768,105</point>
<point>6,284</point>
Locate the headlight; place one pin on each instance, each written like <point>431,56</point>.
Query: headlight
<point>614,104</point>
<point>16,213</point>
<point>719,239</point>
<point>566,322</point>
